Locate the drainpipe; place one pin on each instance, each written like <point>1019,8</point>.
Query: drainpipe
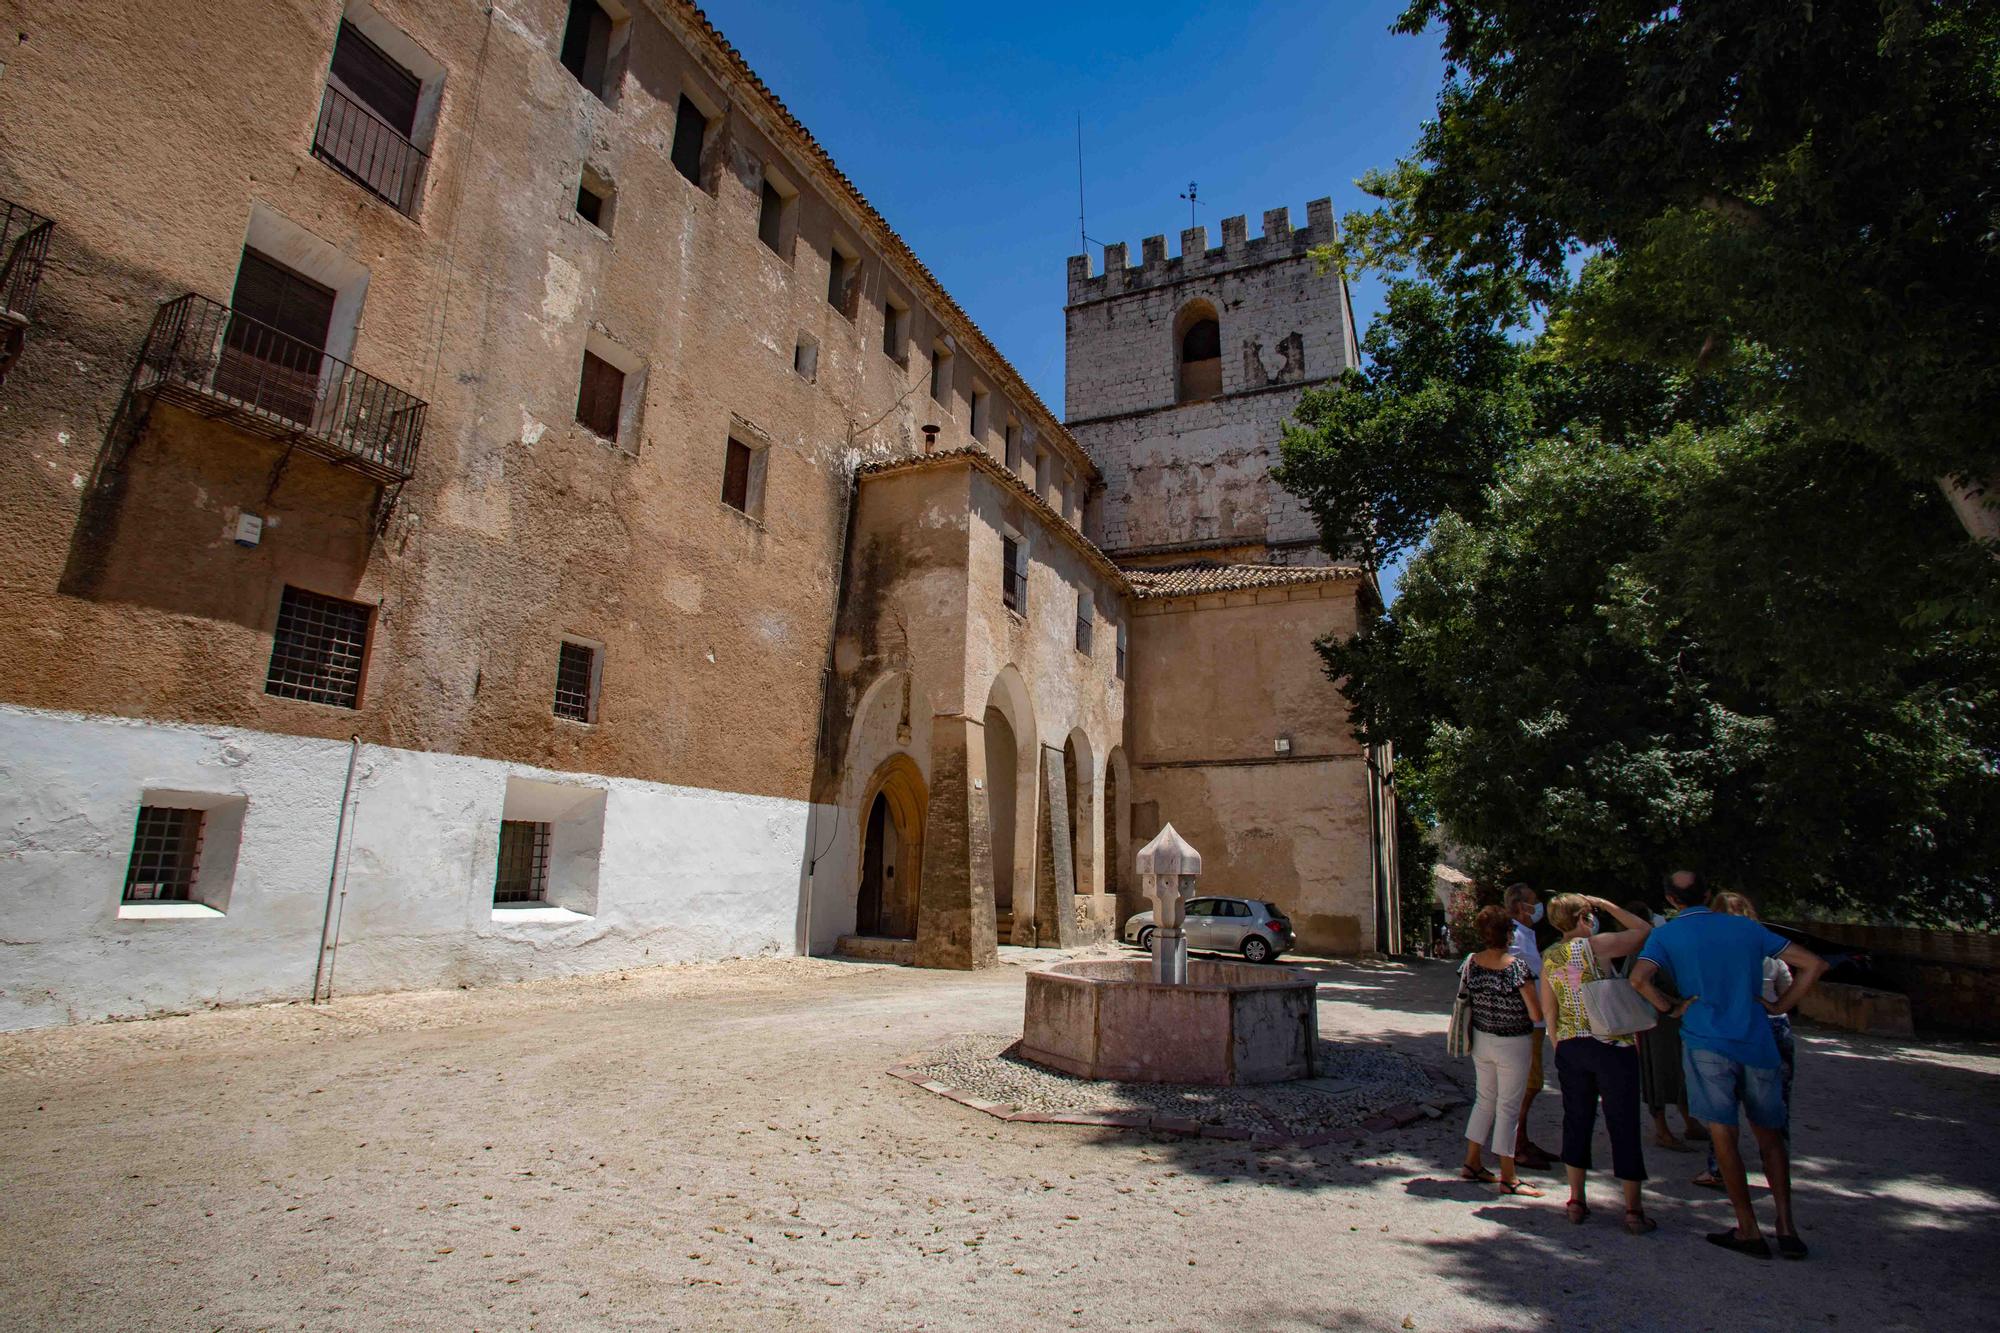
<point>336,888</point>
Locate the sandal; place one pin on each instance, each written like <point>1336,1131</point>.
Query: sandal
<point>1579,1212</point>
<point>1755,1249</point>
<point>1708,1180</point>
<point>1516,1187</point>
<point>1638,1223</point>
<point>1791,1247</point>
<point>1478,1174</point>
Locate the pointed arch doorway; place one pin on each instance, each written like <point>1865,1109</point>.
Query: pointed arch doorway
<point>892,851</point>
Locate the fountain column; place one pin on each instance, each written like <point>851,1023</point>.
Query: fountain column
<point>1168,868</point>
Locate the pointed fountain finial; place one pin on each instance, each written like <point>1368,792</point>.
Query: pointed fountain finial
<point>1169,854</point>
<point>1168,867</point>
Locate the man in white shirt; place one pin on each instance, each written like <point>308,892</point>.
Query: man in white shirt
<point>1525,907</point>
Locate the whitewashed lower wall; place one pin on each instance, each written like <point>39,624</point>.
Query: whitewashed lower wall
<point>684,874</point>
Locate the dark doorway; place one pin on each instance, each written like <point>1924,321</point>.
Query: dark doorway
<point>868,911</point>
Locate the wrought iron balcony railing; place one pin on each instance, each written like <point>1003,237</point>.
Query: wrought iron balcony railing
<point>210,359</point>
<point>364,147</point>
<point>24,245</point>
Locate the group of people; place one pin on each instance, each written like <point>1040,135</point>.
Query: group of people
<point>1723,986</point>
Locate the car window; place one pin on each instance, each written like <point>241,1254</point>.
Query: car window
<point>1275,911</point>
<point>1239,909</point>
<point>1201,907</point>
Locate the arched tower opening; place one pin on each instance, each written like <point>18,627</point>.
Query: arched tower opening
<point>1198,352</point>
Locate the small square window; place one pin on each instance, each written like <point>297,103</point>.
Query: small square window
<point>599,396</point>
<point>523,872</point>
<point>576,681</point>
<point>895,330</point>
<point>690,134</point>
<point>318,649</point>
<point>743,468</point>
<point>594,198</point>
<point>805,358</point>
<point>166,854</point>
<point>1084,615</point>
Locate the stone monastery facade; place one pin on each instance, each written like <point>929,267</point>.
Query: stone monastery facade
<point>487,498</point>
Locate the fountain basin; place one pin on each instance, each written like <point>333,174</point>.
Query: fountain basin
<point>1233,1023</point>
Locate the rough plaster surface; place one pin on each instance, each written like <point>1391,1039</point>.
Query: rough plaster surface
<point>682,873</point>
<point>720,1148</point>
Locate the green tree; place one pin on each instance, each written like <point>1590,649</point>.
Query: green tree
<point>1811,181</point>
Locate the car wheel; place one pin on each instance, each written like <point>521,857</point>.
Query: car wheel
<point>1146,938</point>
<point>1257,950</point>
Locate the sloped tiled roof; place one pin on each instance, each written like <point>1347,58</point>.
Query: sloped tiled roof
<point>1195,577</point>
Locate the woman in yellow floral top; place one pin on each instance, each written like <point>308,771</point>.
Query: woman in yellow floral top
<point>1589,1066</point>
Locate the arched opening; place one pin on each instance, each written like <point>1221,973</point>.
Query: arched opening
<point>1110,843</point>
<point>1013,752</point>
<point>892,841</point>
<point>1198,353</point>
<point>1002,758</point>
<point>1079,783</point>
<point>1119,878</point>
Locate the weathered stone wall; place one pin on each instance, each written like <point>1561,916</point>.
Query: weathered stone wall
<point>1215,682</point>
<point>1198,472</point>
<point>1952,977</point>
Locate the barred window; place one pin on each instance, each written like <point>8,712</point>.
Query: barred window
<point>1014,574</point>
<point>523,875</point>
<point>1084,613</point>
<point>166,851</point>
<point>318,650</point>
<point>1121,652</point>
<point>576,682</point>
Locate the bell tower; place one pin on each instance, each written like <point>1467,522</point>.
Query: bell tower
<point>1180,374</point>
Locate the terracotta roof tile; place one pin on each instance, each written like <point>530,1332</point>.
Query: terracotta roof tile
<point>1195,577</point>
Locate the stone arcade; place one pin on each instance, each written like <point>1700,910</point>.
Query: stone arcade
<point>473,516</point>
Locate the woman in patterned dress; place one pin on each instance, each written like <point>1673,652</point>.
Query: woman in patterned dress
<point>1504,1010</point>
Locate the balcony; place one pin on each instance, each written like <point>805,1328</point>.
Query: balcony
<point>24,242</point>
<point>208,359</point>
<point>368,150</point>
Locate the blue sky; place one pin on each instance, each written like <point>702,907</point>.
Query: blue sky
<point>959,124</point>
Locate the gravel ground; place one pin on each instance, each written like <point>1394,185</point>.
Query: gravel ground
<point>720,1147</point>
<point>1369,1079</point>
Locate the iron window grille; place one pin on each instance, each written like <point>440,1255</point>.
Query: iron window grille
<point>1121,653</point>
<point>166,853</point>
<point>319,649</point>
<point>24,241</point>
<point>218,362</point>
<point>576,666</point>
<point>366,119</point>
<point>1014,575</point>
<point>523,873</point>
<point>1084,611</point>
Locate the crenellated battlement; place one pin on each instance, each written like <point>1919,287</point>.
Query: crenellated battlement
<point>1238,250</point>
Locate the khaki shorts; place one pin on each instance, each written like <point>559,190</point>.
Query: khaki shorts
<point>1535,1083</point>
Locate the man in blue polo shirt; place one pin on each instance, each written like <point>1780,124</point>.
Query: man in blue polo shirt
<point>1727,1050</point>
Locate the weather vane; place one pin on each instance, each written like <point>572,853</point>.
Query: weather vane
<point>1190,197</point>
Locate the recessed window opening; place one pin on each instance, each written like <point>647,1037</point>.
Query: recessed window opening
<point>1068,487</point>
<point>776,215</point>
<point>895,330</point>
<point>843,272</point>
<point>1013,447</point>
<point>1200,355</point>
<point>594,198</point>
<point>1014,573</point>
<point>275,344</point>
<point>941,359</point>
<point>318,649</point>
<point>523,872</point>
<point>599,396</point>
<point>1119,664</point>
<point>577,664</point>
<point>743,468</point>
<point>589,39</point>
<point>1084,614</point>
<point>374,121</point>
<point>982,405</point>
<point>166,855</point>
<point>805,357</point>
<point>1041,478</point>
<point>690,134</point>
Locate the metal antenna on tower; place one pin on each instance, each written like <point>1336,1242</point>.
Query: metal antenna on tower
<point>1191,198</point>
<point>1082,236</point>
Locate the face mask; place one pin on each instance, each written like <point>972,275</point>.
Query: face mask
<point>1590,924</point>
<point>1536,915</point>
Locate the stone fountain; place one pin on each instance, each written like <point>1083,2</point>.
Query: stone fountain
<point>1164,1019</point>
